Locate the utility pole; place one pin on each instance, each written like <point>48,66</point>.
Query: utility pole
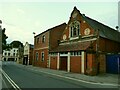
<point>0,40</point>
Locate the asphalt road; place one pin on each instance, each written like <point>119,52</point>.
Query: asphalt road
<point>5,83</point>
<point>25,78</point>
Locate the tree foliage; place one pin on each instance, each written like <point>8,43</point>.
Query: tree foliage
<point>4,37</point>
<point>16,44</point>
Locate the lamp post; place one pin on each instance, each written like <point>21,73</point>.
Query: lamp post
<point>33,50</point>
<point>0,40</point>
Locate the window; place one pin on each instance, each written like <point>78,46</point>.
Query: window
<point>13,54</point>
<point>36,56</point>
<point>38,40</point>
<point>5,54</point>
<point>42,56</point>
<point>74,29</point>
<point>8,54</point>
<point>43,38</point>
<point>53,54</point>
<point>64,53</point>
<point>75,53</point>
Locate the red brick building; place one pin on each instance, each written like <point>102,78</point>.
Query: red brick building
<point>44,42</point>
<point>83,45</point>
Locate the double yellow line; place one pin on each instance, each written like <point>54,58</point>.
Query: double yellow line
<point>14,85</point>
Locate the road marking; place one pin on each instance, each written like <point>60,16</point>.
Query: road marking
<point>15,86</point>
<point>4,83</point>
<point>77,79</point>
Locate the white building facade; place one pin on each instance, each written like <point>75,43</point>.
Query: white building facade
<point>28,54</point>
<point>10,55</point>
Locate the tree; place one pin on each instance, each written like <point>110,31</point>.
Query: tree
<point>16,44</point>
<point>4,37</point>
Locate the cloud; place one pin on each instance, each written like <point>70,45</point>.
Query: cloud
<point>17,33</point>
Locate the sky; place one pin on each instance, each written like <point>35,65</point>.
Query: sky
<point>21,19</point>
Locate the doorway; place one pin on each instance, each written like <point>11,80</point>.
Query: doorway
<point>63,63</point>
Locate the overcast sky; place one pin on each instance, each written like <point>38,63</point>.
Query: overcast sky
<point>21,19</point>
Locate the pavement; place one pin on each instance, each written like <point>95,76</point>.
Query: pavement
<point>103,79</point>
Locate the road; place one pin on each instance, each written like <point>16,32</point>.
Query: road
<point>26,78</point>
<point>5,83</point>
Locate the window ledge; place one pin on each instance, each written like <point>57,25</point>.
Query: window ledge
<point>73,38</point>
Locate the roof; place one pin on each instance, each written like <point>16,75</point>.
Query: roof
<point>72,47</point>
<point>104,31</point>
<point>51,29</point>
<point>31,46</point>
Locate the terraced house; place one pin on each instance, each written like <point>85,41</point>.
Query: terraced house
<point>84,46</point>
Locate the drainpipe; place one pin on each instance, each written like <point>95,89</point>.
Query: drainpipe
<point>33,60</point>
<point>97,50</point>
<point>97,43</point>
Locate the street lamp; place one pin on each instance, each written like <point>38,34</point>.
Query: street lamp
<point>33,49</point>
<point>0,40</point>
<point>34,34</point>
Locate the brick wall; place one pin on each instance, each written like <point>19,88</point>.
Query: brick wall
<point>107,45</point>
<point>31,56</point>
<point>91,67</point>
<point>41,63</point>
<point>38,43</point>
<point>83,26</point>
<point>55,35</point>
<point>102,63</point>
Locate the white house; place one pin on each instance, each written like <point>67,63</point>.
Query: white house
<point>28,54</point>
<point>10,55</point>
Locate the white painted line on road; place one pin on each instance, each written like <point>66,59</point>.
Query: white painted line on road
<point>15,86</point>
<point>4,83</point>
<point>77,79</point>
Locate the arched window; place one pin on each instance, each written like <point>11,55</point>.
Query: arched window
<point>74,29</point>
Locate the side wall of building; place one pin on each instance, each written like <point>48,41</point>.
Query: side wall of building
<point>41,47</point>
<point>108,46</point>
<point>39,62</point>
<point>55,36</point>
